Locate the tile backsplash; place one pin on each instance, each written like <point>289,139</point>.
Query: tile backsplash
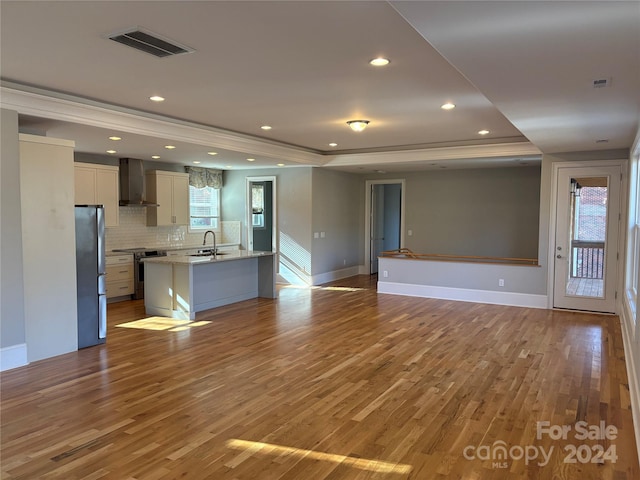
<point>132,232</point>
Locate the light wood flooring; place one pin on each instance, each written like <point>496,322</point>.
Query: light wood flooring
<point>324,384</point>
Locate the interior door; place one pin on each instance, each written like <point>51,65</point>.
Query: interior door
<point>377,225</point>
<point>586,243</point>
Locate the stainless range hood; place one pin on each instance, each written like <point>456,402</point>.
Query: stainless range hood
<point>132,192</point>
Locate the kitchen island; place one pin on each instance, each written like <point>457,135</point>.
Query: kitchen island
<point>180,286</point>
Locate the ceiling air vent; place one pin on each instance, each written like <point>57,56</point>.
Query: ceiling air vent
<point>149,42</point>
<point>602,82</point>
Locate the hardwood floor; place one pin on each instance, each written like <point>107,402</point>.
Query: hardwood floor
<point>324,384</point>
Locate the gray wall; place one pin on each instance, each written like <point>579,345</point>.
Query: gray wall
<point>293,209</point>
<point>12,329</point>
<point>486,212</point>
<point>338,210</point>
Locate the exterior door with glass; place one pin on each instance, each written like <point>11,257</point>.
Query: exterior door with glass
<point>586,243</point>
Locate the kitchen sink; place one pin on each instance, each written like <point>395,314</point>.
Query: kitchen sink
<point>206,254</point>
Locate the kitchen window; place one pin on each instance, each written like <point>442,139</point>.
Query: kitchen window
<point>205,186</point>
<point>204,208</point>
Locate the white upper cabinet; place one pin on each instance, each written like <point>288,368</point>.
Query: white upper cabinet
<point>98,185</point>
<point>170,190</point>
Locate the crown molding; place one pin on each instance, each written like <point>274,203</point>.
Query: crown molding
<point>62,107</point>
<point>486,151</point>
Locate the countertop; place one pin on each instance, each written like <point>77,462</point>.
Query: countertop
<point>116,251</point>
<point>188,260</point>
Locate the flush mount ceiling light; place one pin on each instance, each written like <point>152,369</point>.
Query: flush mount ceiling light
<point>358,125</point>
<point>448,106</point>
<point>156,98</point>
<point>379,62</point>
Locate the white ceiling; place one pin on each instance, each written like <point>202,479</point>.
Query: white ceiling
<point>523,70</point>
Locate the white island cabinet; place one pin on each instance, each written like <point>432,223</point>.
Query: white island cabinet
<point>180,286</point>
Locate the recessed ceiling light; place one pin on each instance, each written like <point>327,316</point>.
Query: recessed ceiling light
<point>155,157</point>
<point>448,106</point>
<point>266,127</point>
<point>332,144</point>
<point>281,164</point>
<point>212,153</point>
<point>603,140</point>
<point>115,139</point>
<point>251,159</point>
<point>228,166</point>
<point>111,151</point>
<point>379,62</point>
<point>196,162</point>
<point>483,132</point>
<point>156,98</point>
<point>169,147</point>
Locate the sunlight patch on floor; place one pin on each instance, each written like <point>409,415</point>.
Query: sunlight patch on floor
<point>336,289</point>
<point>251,448</point>
<point>162,323</point>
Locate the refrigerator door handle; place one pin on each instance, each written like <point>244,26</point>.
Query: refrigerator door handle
<point>102,267</point>
<point>102,316</point>
<point>102,284</point>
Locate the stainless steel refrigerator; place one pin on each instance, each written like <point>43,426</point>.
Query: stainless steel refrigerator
<point>90,274</point>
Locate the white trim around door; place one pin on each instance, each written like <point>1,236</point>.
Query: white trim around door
<point>367,217</point>
<point>560,253</point>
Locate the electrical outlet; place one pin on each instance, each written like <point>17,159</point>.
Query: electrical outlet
<point>344,262</point>
<point>385,274</point>
<point>316,235</point>
<point>321,234</point>
<point>501,282</point>
<point>410,232</point>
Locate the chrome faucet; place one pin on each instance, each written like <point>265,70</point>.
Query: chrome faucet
<point>204,242</point>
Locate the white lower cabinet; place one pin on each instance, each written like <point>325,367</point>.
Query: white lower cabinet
<point>120,277</point>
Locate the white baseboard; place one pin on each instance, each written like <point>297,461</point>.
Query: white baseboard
<point>335,275</point>
<point>13,356</point>
<point>464,294</point>
<point>631,360</point>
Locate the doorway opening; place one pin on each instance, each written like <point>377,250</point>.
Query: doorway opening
<point>261,214</point>
<point>384,219</point>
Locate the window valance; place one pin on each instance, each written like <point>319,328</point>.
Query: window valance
<point>204,177</point>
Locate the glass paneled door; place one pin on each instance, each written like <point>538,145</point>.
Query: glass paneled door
<point>586,246</point>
